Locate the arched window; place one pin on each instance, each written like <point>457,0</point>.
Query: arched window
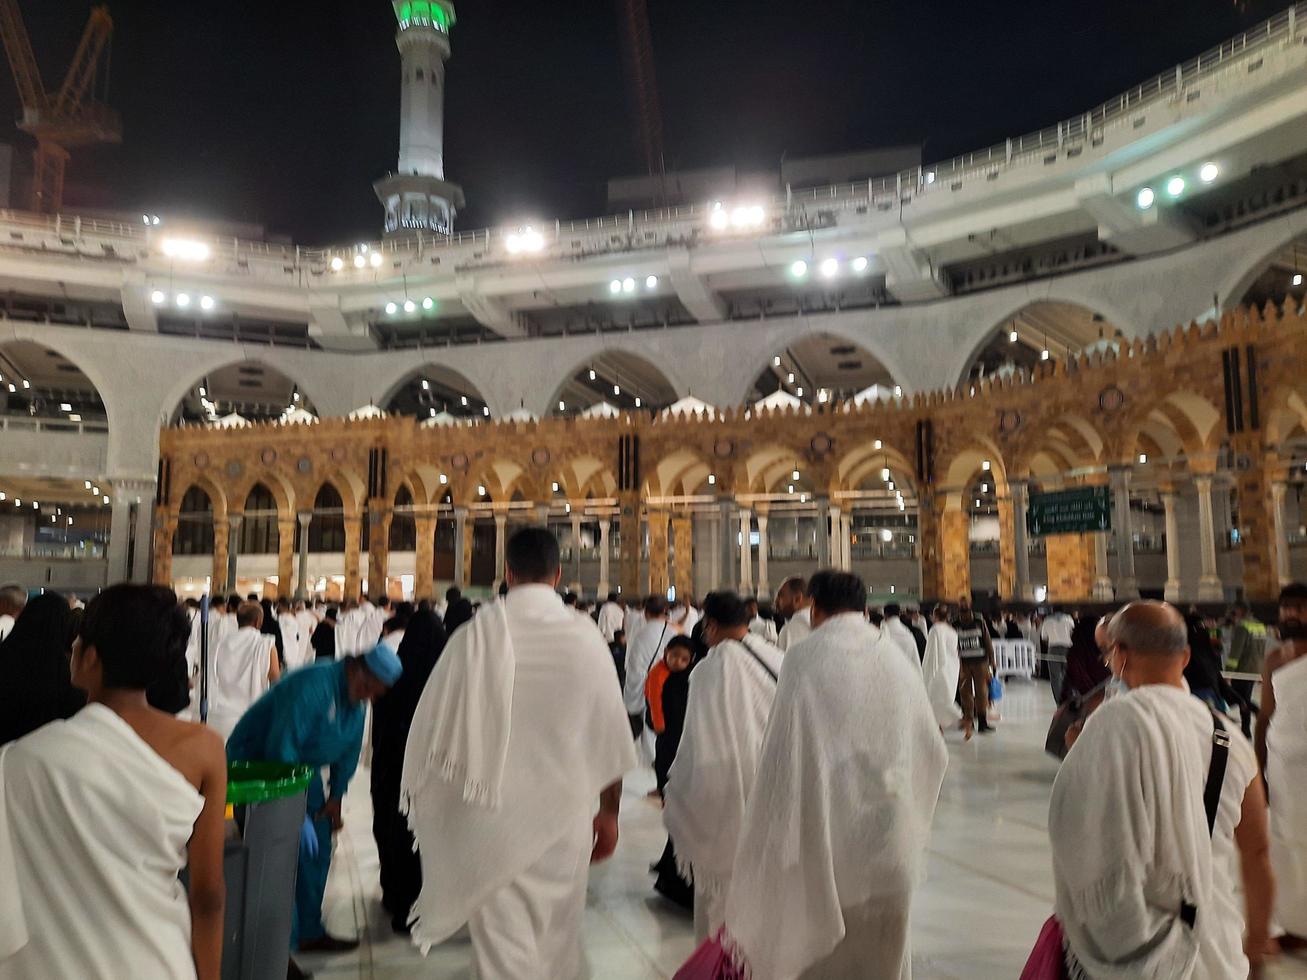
<point>327,529</point>
<point>259,534</point>
<point>194,524</point>
<point>403,528</point>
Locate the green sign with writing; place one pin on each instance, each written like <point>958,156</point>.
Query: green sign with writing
<point>1086,509</point>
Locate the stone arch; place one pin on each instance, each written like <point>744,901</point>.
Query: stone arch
<point>1066,322</point>
<point>276,483</point>
<point>1067,442</point>
<point>680,473</point>
<point>821,361</point>
<point>769,467</point>
<point>1241,278</point>
<point>501,477</point>
<point>41,379</point>
<point>228,386</point>
<point>586,476</point>
<point>445,390</point>
<point>194,534</point>
<point>621,377</point>
<point>1285,412</point>
<point>964,466</point>
<point>1181,422</point>
<point>216,494</point>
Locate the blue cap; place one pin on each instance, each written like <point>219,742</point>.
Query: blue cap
<point>384,664</point>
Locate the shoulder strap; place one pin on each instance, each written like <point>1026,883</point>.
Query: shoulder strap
<point>1216,772</point>
<point>761,663</point>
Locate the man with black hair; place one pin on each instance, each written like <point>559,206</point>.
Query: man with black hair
<point>763,626</point>
<point>898,631</point>
<point>976,667</point>
<point>1282,751</point>
<point>324,636</point>
<point>793,602</point>
<point>611,616</point>
<point>570,599</point>
<point>730,700</point>
<point>644,650</point>
<point>518,738</point>
<point>98,815</point>
<point>847,782</point>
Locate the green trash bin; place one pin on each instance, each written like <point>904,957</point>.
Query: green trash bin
<point>260,860</point>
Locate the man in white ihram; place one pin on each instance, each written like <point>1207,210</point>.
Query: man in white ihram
<point>898,631</point>
<point>519,737</point>
<point>731,694</point>
<point>834,833</point>
<point>1161,819</point>
<point>242,667</point>
<point>940,669</point>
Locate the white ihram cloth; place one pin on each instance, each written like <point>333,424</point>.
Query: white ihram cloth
<point>291,648</point>
<point>642,652</point>
<point>238,676</point>
<point>839,817</point>
<point>93,832</point>
<point>349,632</point>
<point>1130,841</point>
<point>6,625</point>
<point>940,669</point>
<point>766,629</point>
<point>307,623</point>
<point>726,715</point>
<point>517,732</point>
<point>904,640</point>
<point>796,630</point>
<point>611,619</point>
<point>220,624</point>
<point>370,631</point>
<point>1286,776</point>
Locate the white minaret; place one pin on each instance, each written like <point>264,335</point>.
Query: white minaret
<point>417,198</point>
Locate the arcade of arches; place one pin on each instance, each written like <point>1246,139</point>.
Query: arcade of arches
<point>1200,434</point>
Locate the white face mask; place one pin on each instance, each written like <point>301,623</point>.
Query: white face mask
<point>1116,686</point>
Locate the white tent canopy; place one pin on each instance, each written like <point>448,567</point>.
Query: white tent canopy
<point>876,393</point>
<point>441,419</point>
<point>298,416</point>
<point>232,421</point>
<point>780,399</point>
<point>519,415</point>
<point>601,410</point>
<point>367,412</point>
<point>690,405</point>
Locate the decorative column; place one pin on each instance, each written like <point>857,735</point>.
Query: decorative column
<point>353,548</point>
<point>746,552</point>
<point>1070,566</point>
<point>1019,490</point>
<point>835,528</point>
<point>1172,588</point>
<point>462,553</point>
<point>221,541</point>
<point>234,522</point>
<point>424,559</point>
<point>955,554</point>
<point>1259,511</point>
<point>726,558</point>
<point>1007,546</point>
<point>576,549</point>
<point>1127,585</point>
<point>305,518</point>
<point>823,531</point>
<point>764,546</point>
<point>628,522</point>
<point>285,555</point>
<point>659,580</point>
<point>1278,491</point>
<point>1209,585</point>
<point>501,545</point>
<point>930,555</point>
<point>142,553</point>
<point>380,516</point>
<point>605,552</point>
<point>683,548</point>
<point>847,538</point>
<point>165,528</point>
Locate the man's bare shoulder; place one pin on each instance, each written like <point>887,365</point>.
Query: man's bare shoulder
<point>1279,657</point>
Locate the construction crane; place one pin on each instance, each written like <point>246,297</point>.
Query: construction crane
<point>643,84</point>
<point>71,117</point>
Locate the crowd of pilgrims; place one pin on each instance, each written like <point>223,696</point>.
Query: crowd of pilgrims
<point>799,749</point>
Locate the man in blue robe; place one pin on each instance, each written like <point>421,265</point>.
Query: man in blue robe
<point>314,717</point>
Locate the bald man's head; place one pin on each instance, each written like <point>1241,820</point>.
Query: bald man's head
<point>1149,628</point>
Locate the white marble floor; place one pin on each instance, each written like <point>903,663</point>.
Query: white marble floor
<point>988,892</point>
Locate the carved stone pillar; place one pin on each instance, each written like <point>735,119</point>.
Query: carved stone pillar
<point>424,573</point>
<point>955,554</point>
<point>930,550</point>
<point>659,580</point>
<point>576,549</point>
<point>1278,491</point>
<point>746,551</point>
<point>1126,584</point>
<point>462,553</point>
<point>1007,546</point>
<point>380,516</point>
<point>628,502</point>
<point>165,529</point>
<point>605,554</point>
<point>353,546</point>
<point>1070,566</point>
<point>683,547</point>
<point>234,522</point>
<point>1209,585</point>
<point>501,545</point>
<point>305,518</point>
<point>824,513</point>
<point>1019,491</point>
<point>1171,590</point>
<point>221,541</point>
<point>764,580</point>
<point>285,556</point>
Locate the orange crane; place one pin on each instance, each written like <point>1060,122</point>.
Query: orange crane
<point>69,118</point>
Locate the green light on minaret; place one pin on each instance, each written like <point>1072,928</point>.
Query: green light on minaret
<point>425,13</point>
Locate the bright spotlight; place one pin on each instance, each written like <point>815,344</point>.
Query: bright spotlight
<point>65,406</point>
<point>154,220</point>
<point>1175,186</point>
<point>185,249</point>
<point>615,286</point>
<point>794,475</point>
<point>651,282</point>
<point>830,268</point>
<point>426,385</point>
<point>1145,198</point>
<point>391,308</point>
<point>798,268</point>
<point>747,216</point>
<point>628,285</point>
<point>712,479</point>
<point>1044,354</point>
<point>637,401</point>
<point>428,303</point>
<point>183,300</point>
<point>410,306</point>
<point>719,219</point>
<point>860,264</point>
<point>1012,337</point>
<point>930,176</point>
<point>375,259</point>
<point>985,466</point>
<point>885,474</point>
<point>485,410</point>
<point>360,261</point>
<point>798,392</point>
<point>337,263</point>
<point>1208,172</point>
<point>1297,278</point>
<point>105,498</point>
<point>898,391</point>
<point>562,407</point>
<point>206,302</point>
<point>1143,457</point>
<point>525,239</point>
<point>463,400</point>
<point>617,389</point>
<point>157,297</point>
<point>776,361</point>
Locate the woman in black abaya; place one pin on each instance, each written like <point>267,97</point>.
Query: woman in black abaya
<point>34,662</point>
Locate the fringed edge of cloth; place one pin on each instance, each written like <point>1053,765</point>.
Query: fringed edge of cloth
<point>708,886</point>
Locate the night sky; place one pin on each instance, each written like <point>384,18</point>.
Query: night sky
<point>283,112</point>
